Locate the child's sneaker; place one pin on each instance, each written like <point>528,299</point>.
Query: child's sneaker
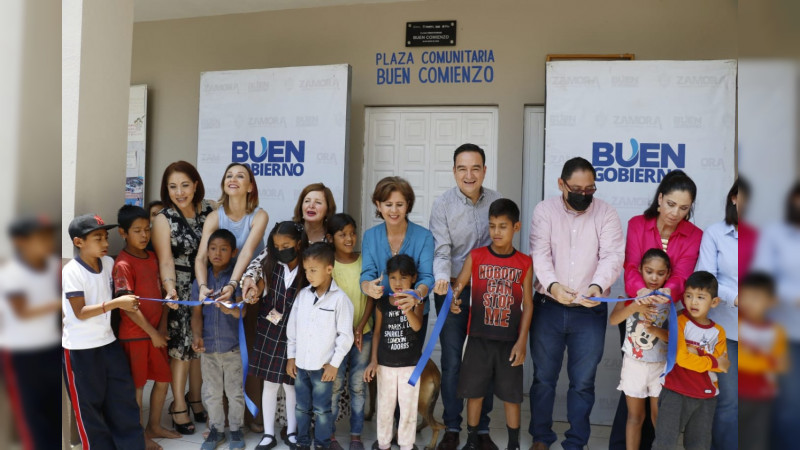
<point>237,441</point>
<point>214,440</point>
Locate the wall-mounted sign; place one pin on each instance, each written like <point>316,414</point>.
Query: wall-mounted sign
<point>472,66</point>
<point>441,33</point>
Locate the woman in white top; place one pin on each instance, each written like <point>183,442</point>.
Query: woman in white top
<point>239,213</point>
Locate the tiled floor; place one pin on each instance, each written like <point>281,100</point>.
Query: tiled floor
<point>599,439</point>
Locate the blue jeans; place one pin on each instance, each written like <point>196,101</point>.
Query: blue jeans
<point>725,431</point>
<point>581,331</point>
<point>313,398</point>
<point>454,333</point>
<point>787,403</point>
<point>357,362</point>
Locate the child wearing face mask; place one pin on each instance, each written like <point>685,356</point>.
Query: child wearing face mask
<point>283,278</point>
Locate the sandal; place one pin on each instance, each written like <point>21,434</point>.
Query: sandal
<point>292,445</point>
<point>182,428</point>
<point>201,416</point>
<point>272,444</point>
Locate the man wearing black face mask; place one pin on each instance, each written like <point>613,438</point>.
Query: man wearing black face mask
<point>578,249</point>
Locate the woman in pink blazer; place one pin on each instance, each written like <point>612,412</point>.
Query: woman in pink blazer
<point>665,225</point>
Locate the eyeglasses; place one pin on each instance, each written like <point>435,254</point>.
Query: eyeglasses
<point>587,191</point>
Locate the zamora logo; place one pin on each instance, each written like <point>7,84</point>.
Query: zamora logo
<point>276,159</point>
<point>648,162</point>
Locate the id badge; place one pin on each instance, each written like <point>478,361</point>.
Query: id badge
<point>274,316</point>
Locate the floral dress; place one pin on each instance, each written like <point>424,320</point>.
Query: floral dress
<point>185,237</point>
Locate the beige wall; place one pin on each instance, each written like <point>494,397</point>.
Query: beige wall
<point>168,56</point>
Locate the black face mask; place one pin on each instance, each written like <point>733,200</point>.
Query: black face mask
<point>286,255</point>
<point>579,202</point>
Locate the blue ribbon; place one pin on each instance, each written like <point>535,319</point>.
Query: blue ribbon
<point>434,337</point>
<point>242,340</point>
<point>672,343</point>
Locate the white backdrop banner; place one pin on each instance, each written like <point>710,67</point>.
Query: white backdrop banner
<point>635,121</point>
<point>290,125</point>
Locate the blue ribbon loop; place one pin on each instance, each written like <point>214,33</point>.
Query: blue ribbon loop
<point>434,337</point>
<point>242,340</point>
<point>672,325</point>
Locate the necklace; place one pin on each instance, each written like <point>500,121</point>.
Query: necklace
<point>392,247</point>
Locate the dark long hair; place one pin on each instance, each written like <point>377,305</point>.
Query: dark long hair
<point>296,232</point>
<point>731,215</point>
<point>189,170</point>
<point>677,180</point>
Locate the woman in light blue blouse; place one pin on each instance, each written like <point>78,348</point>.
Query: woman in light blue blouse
<point>394,198</point>
<point>719,254</point>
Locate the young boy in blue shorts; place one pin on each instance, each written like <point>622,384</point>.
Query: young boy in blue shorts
<point>96,369</point>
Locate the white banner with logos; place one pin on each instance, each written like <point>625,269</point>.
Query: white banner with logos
<point>290,125</point>
<point>635,121</point>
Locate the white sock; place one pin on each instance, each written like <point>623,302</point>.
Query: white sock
<point>269,404</point>
<point>291,406</point>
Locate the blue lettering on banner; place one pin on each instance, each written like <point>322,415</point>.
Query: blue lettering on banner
<point>647,163</point>
<point>439,67</point>
<point>276,158</point>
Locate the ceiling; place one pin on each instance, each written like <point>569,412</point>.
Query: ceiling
<point>150,10</point>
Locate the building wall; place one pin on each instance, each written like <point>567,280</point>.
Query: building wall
<point>169,56</point>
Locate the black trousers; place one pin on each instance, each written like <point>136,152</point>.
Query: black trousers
<point>33,385</point>
<point>103,397</point>
<point>616,441</point>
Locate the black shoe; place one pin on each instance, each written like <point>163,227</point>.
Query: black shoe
<point>471,446</point>
<point>182,428</point>
<point>485,442</point>
<point>201,416</point>
<point>290,444</point>
<point>450,441</point>
<point>272,444</point>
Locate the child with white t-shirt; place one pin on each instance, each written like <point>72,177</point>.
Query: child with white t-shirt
<point>29,332</point>
<point>95,368</point>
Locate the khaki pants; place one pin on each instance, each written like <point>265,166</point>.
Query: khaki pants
<point>222,372</point>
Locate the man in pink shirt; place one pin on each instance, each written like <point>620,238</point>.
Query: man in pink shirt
<point>578,249</point>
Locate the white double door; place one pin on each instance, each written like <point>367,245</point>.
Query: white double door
<point>417,143</point>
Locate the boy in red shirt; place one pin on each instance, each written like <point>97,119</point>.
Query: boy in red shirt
<point>499,319</point>
<point>136,272</point>
<point>689,397</point>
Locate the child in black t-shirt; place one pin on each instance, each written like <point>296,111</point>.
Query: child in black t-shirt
<point>396,349</point>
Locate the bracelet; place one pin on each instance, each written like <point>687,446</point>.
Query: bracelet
<point>550,287</point>
<point>203,285</point>
<point>233,283</point>
<point>164,280</point>
<point>104,307</point>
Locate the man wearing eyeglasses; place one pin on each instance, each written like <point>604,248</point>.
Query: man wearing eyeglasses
<point>578,249</point>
